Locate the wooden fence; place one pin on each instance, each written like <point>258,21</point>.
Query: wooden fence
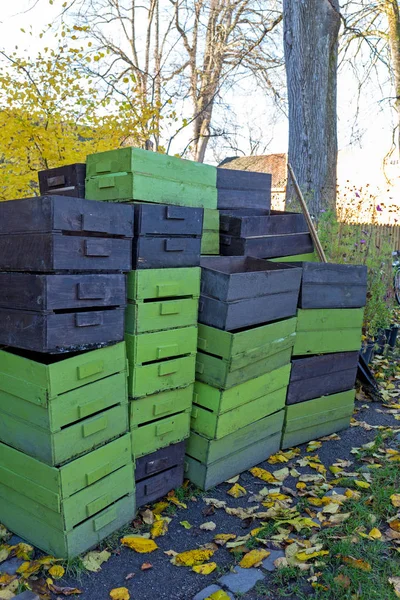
<point>381,234</point>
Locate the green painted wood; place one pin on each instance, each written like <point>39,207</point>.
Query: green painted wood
<point>67,408</point>
<point>151,408</point>
<point>152,378</point>
<point>221,401</point>
<point>215,426</point>
<point>227,345</point>
<point>145,317</point>
<point>210,242</point>
<point>67,544</point>
<point>49,485</point>
<point>294,438</point>
<point>211,219</point>
<point>209,451</point>
<point>147,284</point>
<point>158,434</point>
<point>325,319</point>
<point>208,476</point>
<point>321,331</point>
<point>312,257</point>
<point>150,347</point>
<point>67,443</point>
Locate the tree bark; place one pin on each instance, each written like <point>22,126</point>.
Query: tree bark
<point>311,29</point>
<point>391,8</point>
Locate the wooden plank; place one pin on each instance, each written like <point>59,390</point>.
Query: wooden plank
<point>152,436</point>
<point>269,246</point>
<point>210,242</point>
<point>327,341</point>
<point>155,487</point>
<point>145,380</point>
<point>169,252</point>
<point>211,219</point>
<point>48,333</point>
<point>302,436</point>
<point>239,189</point>
<point>209,451</point>
<point>245,313</point>
<point>214,425</point>
<point>159,461</point>
<point>156,219</point>
<point>252,223</point>
<point>164,404</point>
<point>312,257</point>
<point>327,319</point>
<point>163,283</point>
<point>150,347</point>
<point>239,278</point>
<point>333,286</point>
<point>68,180</point>
<point>145,317</point>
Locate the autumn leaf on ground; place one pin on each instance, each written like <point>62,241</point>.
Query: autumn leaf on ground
<point>145,567</point>
<point>209,526</point>
<point>56,571</point>
<point>237,491</point>
<point>281,474</point>
<point>362,484</point>
<point>313,445</point>
<point>252,558</point>
<point>23,551</point>
<point>93,560</point>
<point>219,595</point>
<point>395,524</point>
<point>233,479</point>
<point>395,499</point>
<point>205,569</point>
<point>159,507</point>
<point>310,553</point>
<point>263,475</point>
<point>139,544</point>
<point>357,563</point>
<point>214,502</point>
<point>121,593</point>
<point>222,538</point>
<point>65,591</point>
<point>191,558</point>
<point>186,524</point>
<point>177,502</point>
<point>395,582</point>
<point>147,516</point>
<point>343,581</point>
<point>6,579</point>
<point>160,527</point>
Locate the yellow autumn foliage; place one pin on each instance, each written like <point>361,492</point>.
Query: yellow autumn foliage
<point>253,558</point>
<point>191,558</point>
<point>205,569</point>
<point>263,474</point>
<point>121,593</point>
<point>139,544</point>
<point>56,571</point>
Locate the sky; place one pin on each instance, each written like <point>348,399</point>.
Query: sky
<point>366,144</point>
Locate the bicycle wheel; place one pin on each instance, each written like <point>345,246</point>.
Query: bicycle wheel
<point>397,285</point>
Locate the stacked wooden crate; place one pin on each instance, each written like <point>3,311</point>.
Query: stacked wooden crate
<point>320,397</point>
<point>67,475</point>
<point>63,181</point>
<point>246,335</point>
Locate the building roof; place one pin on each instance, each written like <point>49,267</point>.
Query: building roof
<point>268,163</point>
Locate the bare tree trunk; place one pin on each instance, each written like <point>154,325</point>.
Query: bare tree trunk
<point>311,29</point>
<point>391,8</point>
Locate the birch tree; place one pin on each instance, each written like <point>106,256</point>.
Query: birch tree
<point>311,29</point>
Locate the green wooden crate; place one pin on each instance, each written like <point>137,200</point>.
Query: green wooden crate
<point>145,380</point>
<point>151,408</point>
<point>209,242</point>
<point>38,382</point>
<point>210,462</point>
<point>146,317</point>
<point>50,507</point>
<point>152,436</point>
<point>321,331</point>
<point>129,173</point>
<point>150,347</point>
<point>227,359</point>
<point>315,418</point>
<point>312,257</point>
<point>211,220</point>
<point>155,284</point>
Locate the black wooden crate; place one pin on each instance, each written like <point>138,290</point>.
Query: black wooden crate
<point>268,246</point>
<point>252,223</point>
<point>167,220</point>
<point>55,292</point>
<point>68,180</point>
<point>237,278</point>
<point>158,473</point>
<point>59,332</point>
<point>243,189</point>
<point>323,375</point>
<point>333,286</point>
<point>157,252</point>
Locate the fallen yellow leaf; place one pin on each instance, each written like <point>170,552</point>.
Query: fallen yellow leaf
<point>177,502</point>
<point>186,524</point>
<point>395,525</point>
<point>253,558</point>
<point>220,595</point>
<point>395,582</point>
<point>222,538</point>
<point>263,475</point>
<point>190,558</point>
<point>237,491</point>
<point>93,560</point>
<point>357,563</point>
<point>375,534</point>
<point>395,498</point>
<point>159,507</point>
<point>120,594</point>
<point>304,556</point>
<point>139,544</point>
<point>362,484</point>
<point>56,571</point>
<point>205,569</point>
<point>160,527</point>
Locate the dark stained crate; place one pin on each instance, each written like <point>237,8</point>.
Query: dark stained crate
<point>239,278</point>
<point>333,286</point>
<point>323,375</point>
<point>167,220</point>
<point>159,461</point>
<point>243,189</point>
<point>155,487</point>
<point>267,246</point>
<point>54,252</point>
<point>156,252</point>
<point>251,223</point>
<point>50,214</point>
<point>60,331</point>
<point>47,293</point>
<point>68,180</point>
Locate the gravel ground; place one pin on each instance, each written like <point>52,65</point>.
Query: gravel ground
<point>167,582</point>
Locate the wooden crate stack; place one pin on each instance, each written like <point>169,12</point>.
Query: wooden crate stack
<point>163,292</point>
<point>321,393</point>
<point>65,458</point>
<point>243,365</point>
